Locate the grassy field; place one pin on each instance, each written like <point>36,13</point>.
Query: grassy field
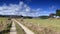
<point>49,23</point>
<point>19,29</point>
<point>2,22</point>
<point>53,24</point>
<point>5,25</point>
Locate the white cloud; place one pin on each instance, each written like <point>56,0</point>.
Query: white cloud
<point>20,9</point>
<point>52,7</point>
<point>21,3</point>
<point>25,5</point>
<point>27,9</point>
<point>39,9</point>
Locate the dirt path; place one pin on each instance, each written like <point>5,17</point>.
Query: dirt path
<point>13,29</point>
<point>27,31</point>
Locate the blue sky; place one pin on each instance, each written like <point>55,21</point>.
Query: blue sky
<point>29,7</point>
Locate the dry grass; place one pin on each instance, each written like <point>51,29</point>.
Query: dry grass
<point>4,25</point>
<point>43,26</point>
<point>19,29</point>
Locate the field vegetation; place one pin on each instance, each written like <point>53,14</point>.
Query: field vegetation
<point>5,25</point>
<point>42,26</point>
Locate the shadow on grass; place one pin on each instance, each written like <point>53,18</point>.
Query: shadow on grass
<point>7,30</point>
<point>4,31</point>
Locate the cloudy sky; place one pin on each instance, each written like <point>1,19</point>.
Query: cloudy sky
<point>29,7</point>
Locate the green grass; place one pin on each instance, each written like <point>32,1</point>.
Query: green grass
<point>4,25</point>
<point>19,29</point>
<point>53,24</point>
<point>2,22</point>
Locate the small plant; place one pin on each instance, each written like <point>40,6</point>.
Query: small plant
<point>6,27</point>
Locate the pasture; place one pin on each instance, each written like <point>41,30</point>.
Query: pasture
<point>5,25</point>
<point>49,23</point>
<point>39,24</point>
<point>2,22</point>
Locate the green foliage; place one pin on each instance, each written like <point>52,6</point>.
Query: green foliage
<point>57,12</point>
<point>44,17</point>
<point>19,29</point>
<point>5,25</point>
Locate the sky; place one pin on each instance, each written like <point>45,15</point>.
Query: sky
<point>32,8</point>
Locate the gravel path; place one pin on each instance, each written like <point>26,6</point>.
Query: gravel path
<point>27,31</point>
<point>13,29</point>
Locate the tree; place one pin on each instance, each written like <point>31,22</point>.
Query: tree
<point>57,12</point>
<point>44,17</point>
